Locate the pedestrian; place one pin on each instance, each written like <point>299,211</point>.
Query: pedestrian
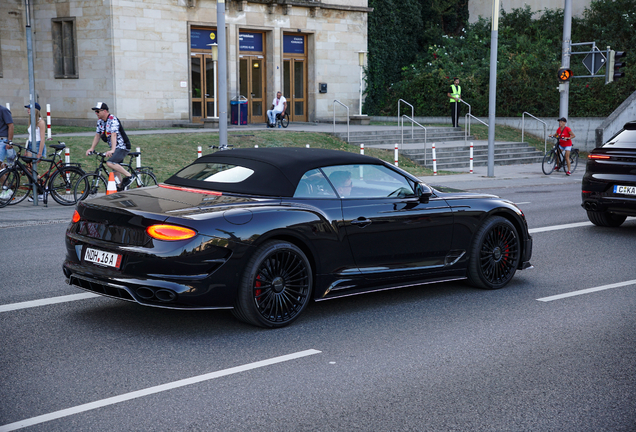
<point>455,95</point>
<point>565,136</point>
<point>279,105</point>
<point>111,131</point>
<point>6,134</point>
<point>35,146</point>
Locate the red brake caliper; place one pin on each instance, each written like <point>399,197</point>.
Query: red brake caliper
<point>257,285</point>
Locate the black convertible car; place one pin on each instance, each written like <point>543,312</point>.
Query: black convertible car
<point>264,231</point>
<point>609,184</point>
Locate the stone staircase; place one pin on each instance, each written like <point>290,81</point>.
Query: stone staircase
<point>451,150</point>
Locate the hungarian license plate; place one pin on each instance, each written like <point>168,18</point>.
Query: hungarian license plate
<point>625,190</point>
<point>102,258</point>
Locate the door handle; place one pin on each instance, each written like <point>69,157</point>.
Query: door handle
<point>361,222</point>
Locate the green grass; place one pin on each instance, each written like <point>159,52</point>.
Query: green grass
<point>167,153</point>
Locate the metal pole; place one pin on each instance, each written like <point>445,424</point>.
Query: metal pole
<point>564,89</point>
<point>222,96</point>
<point>29,38</point>
<point>492,92</point>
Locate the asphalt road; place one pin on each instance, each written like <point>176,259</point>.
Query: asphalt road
<point>441,357</point>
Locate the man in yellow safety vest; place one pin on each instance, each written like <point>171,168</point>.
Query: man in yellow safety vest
<point>455,95</point>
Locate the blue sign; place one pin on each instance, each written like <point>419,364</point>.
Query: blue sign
<point>250,41</point>
<point>293,44</point>
<point>201,39</point>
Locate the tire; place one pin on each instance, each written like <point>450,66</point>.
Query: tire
<point>10,181</point>
<point>549,162</point>
<point>574,160</point>
<point>23,190</point>
<point>494,254</point>
<point>145,176</point>
<point>90,186</point>
<point>276,286</point>
<point>62,185</point>
<point>285,120</point>
<point>605,219</point>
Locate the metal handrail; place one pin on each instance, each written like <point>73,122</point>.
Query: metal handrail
<point>545,130</point>
<point>466,130</point>
<point>335,101</point>
<point>412,113</point>
<point>425,133</point>
<point>469,112</point>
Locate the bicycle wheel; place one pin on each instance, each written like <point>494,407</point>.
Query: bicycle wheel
<point>574,159</point>
<point>143,177</point>
<point>549,162</point>
<point>9,179</point>
<point>62,185</point>
<point>90,186</point>
<point>24,188</point>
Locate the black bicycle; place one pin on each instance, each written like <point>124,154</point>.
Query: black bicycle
<point>554,160</point>
<point>58,180</point>
<point>95,184</point>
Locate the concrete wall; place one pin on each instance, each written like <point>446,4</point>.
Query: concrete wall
<point>477,8</point>
<point>135,55</point>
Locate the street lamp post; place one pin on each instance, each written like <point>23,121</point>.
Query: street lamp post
<point>361,63</point>
<point>215,58</point>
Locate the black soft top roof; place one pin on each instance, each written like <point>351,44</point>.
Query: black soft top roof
<point>277,171</point>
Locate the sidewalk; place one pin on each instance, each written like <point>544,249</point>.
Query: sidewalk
<point>530,175</point>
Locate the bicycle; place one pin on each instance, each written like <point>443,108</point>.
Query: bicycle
<point>58,180</point>
<point>554,160</point>
<point>95,184</point>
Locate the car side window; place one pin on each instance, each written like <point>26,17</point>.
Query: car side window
<point>368,181</point>
<point>313,184</point>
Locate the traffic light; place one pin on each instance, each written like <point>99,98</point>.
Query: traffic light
<point>613,66</point>
<point>564,75</point>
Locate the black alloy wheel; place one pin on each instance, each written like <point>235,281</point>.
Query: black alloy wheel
<point>276,286</point>
<point>494,254</point>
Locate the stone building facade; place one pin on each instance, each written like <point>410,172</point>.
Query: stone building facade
<point>151,60</point>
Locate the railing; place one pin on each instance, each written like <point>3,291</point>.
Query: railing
<point>545,130</point>
<point>412,113</point>
<point>335,101</point>
<point>466,130</point>
<point>469,112</point>
<point>425,137</point>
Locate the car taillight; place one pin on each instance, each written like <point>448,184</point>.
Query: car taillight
<point>170,232</point>
<point>598,156</point>
<point>76,217</point>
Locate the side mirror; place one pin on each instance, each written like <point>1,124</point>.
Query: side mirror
<point>423,192</point>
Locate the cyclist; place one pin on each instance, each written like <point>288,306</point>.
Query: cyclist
<point>565,136</point>
<point>111,131</point>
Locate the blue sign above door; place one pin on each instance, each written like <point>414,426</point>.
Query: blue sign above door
<point>293,44</point>
<point>201,39</point>
<point>250,41</point>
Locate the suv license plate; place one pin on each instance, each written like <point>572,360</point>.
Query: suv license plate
<point>625,190</point>
<point>102,258</point>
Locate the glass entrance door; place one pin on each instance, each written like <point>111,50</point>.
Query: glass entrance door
<point>295,88</point>
<point>252,86</point>
<point>202,79</point>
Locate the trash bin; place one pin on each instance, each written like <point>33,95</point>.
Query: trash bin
<point>238,108</point>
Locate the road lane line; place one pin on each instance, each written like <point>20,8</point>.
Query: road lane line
<point>587,291</point>
<point>46,301</point>
<point>558,227</point>
<point>152,390</point>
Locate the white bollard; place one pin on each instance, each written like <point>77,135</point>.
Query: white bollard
<point>138,158</point>
<point>434,161</point>
<point>255,145</point>
<point>199,152</point>
<point>8,106</point>
<point>471,157</point>
<point>361,149</point>
<point>396,154</point>
<point>307,146</point>
<point>67,160</point>
<point>48,122</point>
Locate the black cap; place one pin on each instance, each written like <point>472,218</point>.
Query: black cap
<point>563,119</point>
<point>100,106</point>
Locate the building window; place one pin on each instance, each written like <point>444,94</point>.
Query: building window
<point>64,47</point>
